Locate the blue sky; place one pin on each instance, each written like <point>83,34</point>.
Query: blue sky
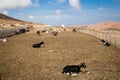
<point>67,12</point>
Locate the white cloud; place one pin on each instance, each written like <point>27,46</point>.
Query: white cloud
<point>75,4</point>
<point>61,1</point>
<point>13,4</point>
<point>56,1</point>
<point>20,14</point>
<point>101,8</point>
<point>55,19</point>
<point>30,17</point>
<point>36,3</point>
<point>58,11</point>
<point>5,12</point>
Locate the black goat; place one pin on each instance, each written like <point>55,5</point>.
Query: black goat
<point>73,68</point>
<point>38,45</point>
<point>54,33</point>
<point>43,31</point>
<point>105,43</point>
<point>20,31</point>
<point>38,32</point>
<point>73,30</point>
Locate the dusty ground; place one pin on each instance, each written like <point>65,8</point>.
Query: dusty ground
<point>19,61</point>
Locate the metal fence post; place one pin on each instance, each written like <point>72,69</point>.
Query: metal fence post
<point>115,42</point>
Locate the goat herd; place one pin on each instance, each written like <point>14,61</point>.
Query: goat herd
<point>52,32</point>
<point>69,69</point>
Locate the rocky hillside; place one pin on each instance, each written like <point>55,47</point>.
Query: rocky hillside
<point>9,22</point>
<point>4,17</point>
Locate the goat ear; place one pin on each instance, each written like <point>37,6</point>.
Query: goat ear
<point>83,64</point>
<point>42,42</point>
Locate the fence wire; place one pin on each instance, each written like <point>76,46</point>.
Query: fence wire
<point>111,36</point>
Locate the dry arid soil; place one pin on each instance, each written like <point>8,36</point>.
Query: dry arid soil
<point>105,26</point>
<point>19,61</point>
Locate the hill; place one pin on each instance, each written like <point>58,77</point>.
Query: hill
<point>9,22</point>
<point>5,17</point>
<point>105,26</point>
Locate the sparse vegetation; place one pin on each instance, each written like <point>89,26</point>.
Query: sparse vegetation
<point>19,61</point>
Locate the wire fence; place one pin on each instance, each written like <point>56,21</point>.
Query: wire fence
<point>109,35</point>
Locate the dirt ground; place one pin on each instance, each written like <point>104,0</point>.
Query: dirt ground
<point>19,61</point>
